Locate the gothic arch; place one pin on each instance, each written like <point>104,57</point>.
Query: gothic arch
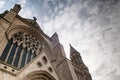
<point>35,32</point>
<point>17,28</point>
<point>39,75</point>
<point>26,42</point>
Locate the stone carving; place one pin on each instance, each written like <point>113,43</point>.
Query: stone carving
<point>29,41</point>
<point>39,75</point>
<point>18,38</point>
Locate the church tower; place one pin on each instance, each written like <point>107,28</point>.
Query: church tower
<point>80,68</point>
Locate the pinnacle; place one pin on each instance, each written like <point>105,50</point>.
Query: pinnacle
<point>73,50</point>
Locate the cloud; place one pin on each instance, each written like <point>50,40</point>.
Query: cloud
<point>93,28</point>
<point>2,3</point>
<point>26,13</point>
<point>22,2</point>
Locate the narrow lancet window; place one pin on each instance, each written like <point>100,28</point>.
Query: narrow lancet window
<point>29,56</point>
<point>23,58</point>
<point>17,56</point>
<point>6,50</point>
<point>10,58</point>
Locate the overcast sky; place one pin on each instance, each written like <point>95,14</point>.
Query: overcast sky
<point>91,26</point>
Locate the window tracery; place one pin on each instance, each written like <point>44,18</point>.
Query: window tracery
<point>28,41</point>
<point>21,49</point>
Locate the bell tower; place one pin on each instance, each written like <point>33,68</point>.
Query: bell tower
<point>80,68</point>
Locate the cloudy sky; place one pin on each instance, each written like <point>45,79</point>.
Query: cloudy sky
<point>91,26</point>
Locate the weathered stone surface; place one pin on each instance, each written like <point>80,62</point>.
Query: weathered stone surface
<point>51,62</point>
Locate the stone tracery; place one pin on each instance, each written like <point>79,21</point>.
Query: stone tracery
<point>29,41</point>
<point>20,49</point>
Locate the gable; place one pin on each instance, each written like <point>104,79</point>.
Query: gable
<point>22,46</point>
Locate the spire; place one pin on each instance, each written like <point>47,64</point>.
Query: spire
<point>77,61</point>
<point>75,57</point>
<point>74,52</point>
<point>55,39</point>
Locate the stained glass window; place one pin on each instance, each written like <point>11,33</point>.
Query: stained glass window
<point>29,56</point>
<point>17,56</point>
<point>6,50</point>
<point>10,58</point>
<point>23,58</point>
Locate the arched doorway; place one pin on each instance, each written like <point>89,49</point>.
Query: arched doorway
<point>39,75</point>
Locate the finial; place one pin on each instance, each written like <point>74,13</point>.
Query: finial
<point>34,18</point>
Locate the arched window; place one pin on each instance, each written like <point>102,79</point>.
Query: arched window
<point>17,53</point>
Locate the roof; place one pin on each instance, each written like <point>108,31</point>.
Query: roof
<point>73,51</point>
<point>33,23</point>
<point>3,14</point>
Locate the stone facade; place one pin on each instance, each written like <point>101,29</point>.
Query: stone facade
<point>27,53</point>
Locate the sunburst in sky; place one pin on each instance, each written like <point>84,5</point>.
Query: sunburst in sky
<point>91,26</point>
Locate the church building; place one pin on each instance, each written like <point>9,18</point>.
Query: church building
<point>27,53</point>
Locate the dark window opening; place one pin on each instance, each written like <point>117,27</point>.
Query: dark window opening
<point>44,59</point>
<point>29,56</point>
<point>12,53</point>
<point>50,69</point>
<point>17,56</point>
<point>39,64</point>
<point>6,50</point>
<point>23,58</point>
